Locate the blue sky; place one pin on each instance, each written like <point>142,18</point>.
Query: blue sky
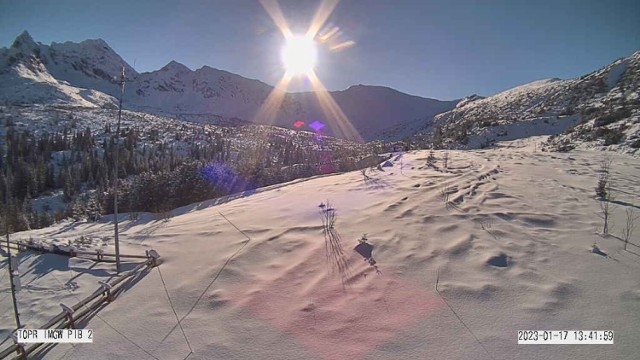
<point>440,49</point>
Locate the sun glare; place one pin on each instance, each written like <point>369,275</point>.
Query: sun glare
<point>299,55</point>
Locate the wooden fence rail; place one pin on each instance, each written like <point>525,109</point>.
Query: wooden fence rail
<point>98,255</point>
<point>68,317</point>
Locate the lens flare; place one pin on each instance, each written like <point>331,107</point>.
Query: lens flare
<point>316,126</point>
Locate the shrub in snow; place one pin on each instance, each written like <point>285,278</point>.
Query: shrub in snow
<point>614,136</point>
<point>431,159</point>
<point>603,178</point>
<point>612,117</point>
<point>564,145</point>
<point>603,191</point>
<point>630,225</point>
<point>364,174</point>
<point>333,242</point>
<point>601,187</point>
<point>444,194</point>
<point>363,239</point>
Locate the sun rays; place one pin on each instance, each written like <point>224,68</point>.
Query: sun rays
<point>322,14</point>
<point>269,109</point>
<point>335,117</point>
<point>332,110</point>
<point>274,11</point>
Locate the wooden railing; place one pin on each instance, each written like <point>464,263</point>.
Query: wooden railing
<point>69,316</point>
<point>98,255</point>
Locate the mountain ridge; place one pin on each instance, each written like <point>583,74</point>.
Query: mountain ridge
<point>601,108</point>
<point>87,73</point>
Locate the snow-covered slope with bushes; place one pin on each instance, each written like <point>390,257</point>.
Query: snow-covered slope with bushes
<point>248,277</point>
<point>609,97</point>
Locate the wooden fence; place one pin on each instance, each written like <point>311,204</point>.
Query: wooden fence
<point>97,256</point>
<point>68,317</point>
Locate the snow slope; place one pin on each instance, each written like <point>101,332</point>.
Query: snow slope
<point>264,290</point>
<point>584,100</point>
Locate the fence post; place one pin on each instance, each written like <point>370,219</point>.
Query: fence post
<point>153,256</point>
<point>106,287</point>
<point>19,347</point>
<point>69,312</point>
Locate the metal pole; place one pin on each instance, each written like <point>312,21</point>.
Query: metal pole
<point>115,176</point>
<point>16,313</point>
<point>6,228</point>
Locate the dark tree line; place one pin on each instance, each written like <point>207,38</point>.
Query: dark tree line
<point>155,175</point>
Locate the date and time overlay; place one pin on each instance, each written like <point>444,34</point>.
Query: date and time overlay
<point>530,337</point>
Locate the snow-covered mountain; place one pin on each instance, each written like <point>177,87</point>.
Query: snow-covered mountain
<point>84,74</point>
<point>57,74</point>
<point>600,108</point>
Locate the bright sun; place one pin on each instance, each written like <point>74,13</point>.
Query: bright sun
<point>299,55</point>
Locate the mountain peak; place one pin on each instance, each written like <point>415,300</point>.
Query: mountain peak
<point>207,68</point>
<point>95,42</point>
<point>24,41</point>
<point>175,66</point>
<point>468,99</point>
<point>362,87</point>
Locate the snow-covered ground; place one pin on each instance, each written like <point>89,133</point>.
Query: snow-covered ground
<point>275,297</point>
